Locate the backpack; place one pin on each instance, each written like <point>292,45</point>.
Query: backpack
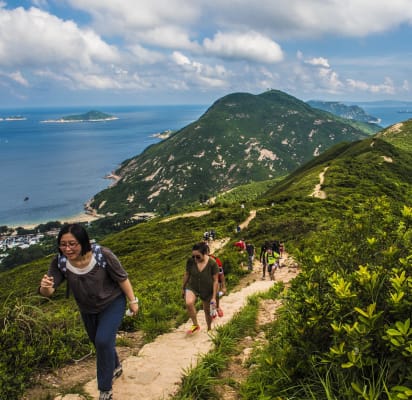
<point>98,255</point>
<point>217,259</point>
<point>219,264</point>
<point>272,258</point>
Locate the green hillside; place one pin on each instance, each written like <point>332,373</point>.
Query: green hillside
<point>344,332</point>
<point>242,138</point>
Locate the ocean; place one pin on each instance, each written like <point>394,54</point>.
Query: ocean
<point>49,171</point>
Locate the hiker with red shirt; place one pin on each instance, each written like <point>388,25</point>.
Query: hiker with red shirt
<point>241,245</point>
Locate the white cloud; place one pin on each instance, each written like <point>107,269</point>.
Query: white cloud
<point>200,46</point>
<point>311,18</point>
<point>143,56</point>
<point>386,87</point>
<point>131,19</point>
<point>201,74</point>
<point>251,46</point>
<point>16,77</point>
<point>180,59</point>
<point>166,37</point>
<point>319,61</point>
<point>35,38</point>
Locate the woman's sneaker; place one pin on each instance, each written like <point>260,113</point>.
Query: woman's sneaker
<point>117,371</point>
<point>193,329</point>
<point>106,395</point>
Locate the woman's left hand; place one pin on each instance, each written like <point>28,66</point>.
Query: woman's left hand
<point>134,308</point>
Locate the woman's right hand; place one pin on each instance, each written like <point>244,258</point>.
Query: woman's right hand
<point>47,281</point>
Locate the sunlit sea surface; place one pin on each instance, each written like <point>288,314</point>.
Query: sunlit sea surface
<point>48,171</point>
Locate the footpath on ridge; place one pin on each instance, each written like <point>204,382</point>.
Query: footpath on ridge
<point>155,372</point>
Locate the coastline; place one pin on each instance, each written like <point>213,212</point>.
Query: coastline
<point>78,218</point>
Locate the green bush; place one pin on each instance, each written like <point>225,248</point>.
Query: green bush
<point>32,339</point>
<point>344,332</point>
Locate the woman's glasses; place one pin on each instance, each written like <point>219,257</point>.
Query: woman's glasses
<point>196,257</point>
<point>71,245</point>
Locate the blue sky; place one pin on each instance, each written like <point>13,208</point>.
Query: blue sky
<point>108,52</point>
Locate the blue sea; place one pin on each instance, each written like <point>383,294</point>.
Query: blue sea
<point>48,171</point>
<point>58,167</point>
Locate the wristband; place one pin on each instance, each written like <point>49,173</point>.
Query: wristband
<point>135,301</point>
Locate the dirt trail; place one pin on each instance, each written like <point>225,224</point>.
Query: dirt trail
<point>155,372</point>
<point>320,194</point>
<point>245,223</point>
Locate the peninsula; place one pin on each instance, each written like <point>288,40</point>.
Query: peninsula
<point>90,116</point>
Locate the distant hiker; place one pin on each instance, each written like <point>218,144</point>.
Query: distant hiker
<point>281,249</point>
<point>240,244</point>
<point>100,286</point>
<point>263,258</point>
<point>222,284</point>
<point>238,229</point>
<point>200,280</point>
<point>209,235</point>
<point>275,246</point>
<point>272,262</point>
<point>250,250</point>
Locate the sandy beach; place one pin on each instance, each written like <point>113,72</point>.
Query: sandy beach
<point>81,217</point>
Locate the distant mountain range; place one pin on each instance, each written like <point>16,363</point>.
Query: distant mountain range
<point>345,111</point>
<point>241,138</point>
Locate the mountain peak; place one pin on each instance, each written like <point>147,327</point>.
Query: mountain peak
<point>241,138</point>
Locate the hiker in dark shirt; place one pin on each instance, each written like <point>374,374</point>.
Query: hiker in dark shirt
<point>200,280</point>
<point>250,250</point>
<point>100,286</point>
<point>263,258</point>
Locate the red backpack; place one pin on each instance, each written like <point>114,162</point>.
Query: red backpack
<point>218,262</point>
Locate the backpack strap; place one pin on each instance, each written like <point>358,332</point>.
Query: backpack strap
<point>98,255</point>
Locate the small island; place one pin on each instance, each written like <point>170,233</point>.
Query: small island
<point>13,118</point>
<point>90,116</point>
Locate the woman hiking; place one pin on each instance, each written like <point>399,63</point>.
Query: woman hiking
<point>101,287</point>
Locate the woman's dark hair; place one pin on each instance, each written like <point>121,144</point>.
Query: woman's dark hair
<point>201,247</point>
<point>79,233</point>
